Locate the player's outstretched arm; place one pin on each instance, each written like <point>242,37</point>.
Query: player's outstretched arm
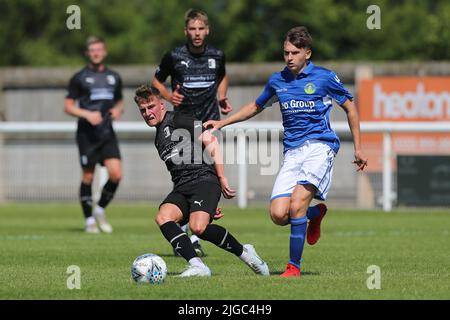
<point>353,122</point>
<point>246,112</point>
<point>212,146</point>
<point>225,106</point>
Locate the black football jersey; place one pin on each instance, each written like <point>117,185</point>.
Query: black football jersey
<point>178,146</point>
<point>198,75</point>
<point>96,91</point>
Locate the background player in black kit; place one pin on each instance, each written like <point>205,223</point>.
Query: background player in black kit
<point>198,184</point>
<point>99,94</point>
<point>198,78</point>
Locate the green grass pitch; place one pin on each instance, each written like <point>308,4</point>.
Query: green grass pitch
<point>38,242</point>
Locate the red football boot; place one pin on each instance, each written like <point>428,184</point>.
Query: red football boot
<point>313,230</point>
<point>291,271</point>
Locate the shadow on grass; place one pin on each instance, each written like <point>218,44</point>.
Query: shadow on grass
<point>305,273</point>
<point>77,230</point>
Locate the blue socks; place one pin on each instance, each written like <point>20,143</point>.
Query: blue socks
<point>313,212</point>
<point>297,239</point>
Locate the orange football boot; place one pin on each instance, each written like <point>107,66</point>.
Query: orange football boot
<point>291,271</point>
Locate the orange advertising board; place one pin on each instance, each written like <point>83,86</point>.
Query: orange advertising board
<point>404,99</point>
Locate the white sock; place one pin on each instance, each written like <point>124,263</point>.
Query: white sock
<point>197,262</point>
<point>99,210</point>
<point>90,220</point>
<point>244,256</point>
<point>194,238</point>
<point>184,228</point>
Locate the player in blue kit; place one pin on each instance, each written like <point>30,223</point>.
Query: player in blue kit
<point>305,94</point>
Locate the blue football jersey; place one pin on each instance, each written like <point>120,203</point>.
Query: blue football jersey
<point>305,104</point>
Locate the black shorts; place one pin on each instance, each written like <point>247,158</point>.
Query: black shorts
<point>93,152</point>
<point>203,196</point>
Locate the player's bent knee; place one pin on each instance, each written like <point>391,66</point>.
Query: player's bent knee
<point>88,178</point>
<point>162,218</point>
<point>115,176</point>
<point>298,208</point>
<point>278,217</point>
<point>198,229</point>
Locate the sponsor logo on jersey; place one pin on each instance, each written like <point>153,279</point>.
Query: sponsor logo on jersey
<point>185,63</point>
<point>101,94</point>
<point>298,104</point>
<point>310,88</point>
<point>282,90</point>
<point>111,80</point>
<point>166,132</point>
<point>212,63</point>
<point>89,80</point>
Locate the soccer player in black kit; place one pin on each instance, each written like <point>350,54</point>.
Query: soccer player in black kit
<point>182,144</point>
<point>99,94</point>
<point>198,78</point>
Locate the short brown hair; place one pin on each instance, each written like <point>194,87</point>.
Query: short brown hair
<point>299,37</point>
<point>195,14</point>
<point>93,39</point>
<point>144,92</point>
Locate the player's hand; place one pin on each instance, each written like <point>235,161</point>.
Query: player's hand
<point>218,214</point>
<point>115,113</point>
<point>94,118</point>
<point>225,106</point>
<point>360,160</point>
<point>176,97</point>
<point>227,191</point>
<point>213,125</point>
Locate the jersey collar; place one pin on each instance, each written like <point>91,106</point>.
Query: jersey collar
<point>205,47</point>
<point>304,73</point>
<point>308,69</point>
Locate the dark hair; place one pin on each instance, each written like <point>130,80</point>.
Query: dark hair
<point>144,92</point>
<point>92,40</point>
<point>195,14</point>
<point>299,37</point>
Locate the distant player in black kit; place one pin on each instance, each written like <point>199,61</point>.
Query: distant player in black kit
<point>198,184</point>
<point>198,78</point>
<point>99,94</point>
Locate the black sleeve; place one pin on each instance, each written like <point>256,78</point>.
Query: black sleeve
<point>191,124</point>
<point>118,91</point>
<point>165,68</point>
<point>221,71</point>
<point>74,88</point>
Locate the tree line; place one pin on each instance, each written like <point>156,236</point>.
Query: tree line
<point>34,32</point>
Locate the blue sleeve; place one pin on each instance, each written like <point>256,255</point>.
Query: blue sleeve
<point>265,96</point>
<point>337,90</point>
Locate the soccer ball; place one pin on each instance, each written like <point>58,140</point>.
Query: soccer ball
<point>149,268</point>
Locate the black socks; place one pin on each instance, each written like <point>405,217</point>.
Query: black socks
<point>109,189</point>
<point>178,239</point>
<point>222,238</point>
<point>86,199</point>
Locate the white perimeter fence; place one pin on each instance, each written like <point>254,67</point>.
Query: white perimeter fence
<point>386,128</point>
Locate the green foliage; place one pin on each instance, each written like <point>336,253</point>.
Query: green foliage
<point>34,32</point>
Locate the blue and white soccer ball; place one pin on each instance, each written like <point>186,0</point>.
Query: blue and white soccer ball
<point>149,268</point>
